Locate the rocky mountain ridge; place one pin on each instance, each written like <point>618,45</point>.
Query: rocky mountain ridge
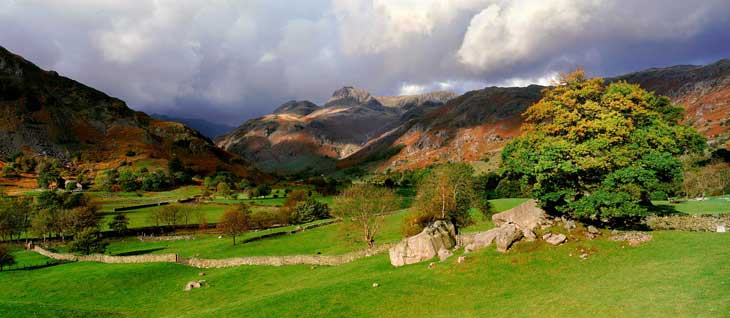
<point>475,126</point>
<point>43,113</point>
<point>300,136</point>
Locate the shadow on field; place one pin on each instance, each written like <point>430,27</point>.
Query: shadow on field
<point>665,210</point>
<point>140,252</point>
<point>32,267</point>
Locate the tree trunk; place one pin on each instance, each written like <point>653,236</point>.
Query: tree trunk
<point>645,199</point>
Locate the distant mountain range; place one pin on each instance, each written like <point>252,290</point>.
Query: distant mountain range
<point>43,113</point>
<point>301,136</point>
<point>407,132</point>
<point>208,129</point>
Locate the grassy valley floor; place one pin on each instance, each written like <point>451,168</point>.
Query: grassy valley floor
<point>678,274</point>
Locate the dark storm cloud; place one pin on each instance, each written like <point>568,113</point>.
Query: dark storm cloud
<point>231,60</point>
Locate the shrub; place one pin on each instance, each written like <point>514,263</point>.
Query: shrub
<point>264,219</point>
<point>659,195</point>
<point>310,210</point>
<point>119,223</point>
<point>88,241</point>
<point>6,258</point>
<point>448,193</point>
<point>415,221</point>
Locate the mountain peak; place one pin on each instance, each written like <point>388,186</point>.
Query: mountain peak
<point>296,107</point>
<point>349,96</point>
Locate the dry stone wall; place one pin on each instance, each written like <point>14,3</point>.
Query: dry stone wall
<point>151,258</point>
<point>319,260</point>
<point>701,223</point>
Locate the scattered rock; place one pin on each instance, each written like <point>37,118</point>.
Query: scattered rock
<point>555,239</point>
<point>584,256</point>
<point>633,238</point>
<point>376,285</point>
<point>526,216</point>
<point>593,230</point>
<point>190,285</point>
<point>201,274</point>
<point>220,236</point>
<point>461,259</point>
<point>425,245</point>
<point>508,234</point>
<point>444,254</point>
<point>529,235</point>
<point>431,265</point>
<point>569,225</point>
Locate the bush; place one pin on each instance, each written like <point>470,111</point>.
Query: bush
<point>6,258</point>
<point>415,221</point>
<point>507,188</point>
<point>88,241</point>
<point>119,223</point>
<point>659,195</point>
<point>310,210</point>
<point>128,181</point>
<point>71,185</point>
<point>265,219</point>
<point>154,181</point>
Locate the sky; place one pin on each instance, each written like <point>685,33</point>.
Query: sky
<point>228,61</point>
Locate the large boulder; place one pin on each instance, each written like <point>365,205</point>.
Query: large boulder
<point>526,216</point>
<point>444,254</point>
<point>425,245</point>
<point>507,234</point>
<point>481,240</point>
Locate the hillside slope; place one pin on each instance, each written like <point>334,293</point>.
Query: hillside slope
<point>303,137</point>
<point>206,128</point>
<point>476,125</point>
<point>43,113</point>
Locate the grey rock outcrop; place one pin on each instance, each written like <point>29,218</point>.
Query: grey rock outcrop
<point>444,254</point>
<point>481,240</point>
<point>526,216</point>
<point>506,236</point>
<point>425,245</point>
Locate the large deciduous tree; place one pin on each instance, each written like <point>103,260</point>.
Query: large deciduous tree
<point>597,151</point>
<point>235,221</point>
<point>447,192</point>
<point>363,207</point>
